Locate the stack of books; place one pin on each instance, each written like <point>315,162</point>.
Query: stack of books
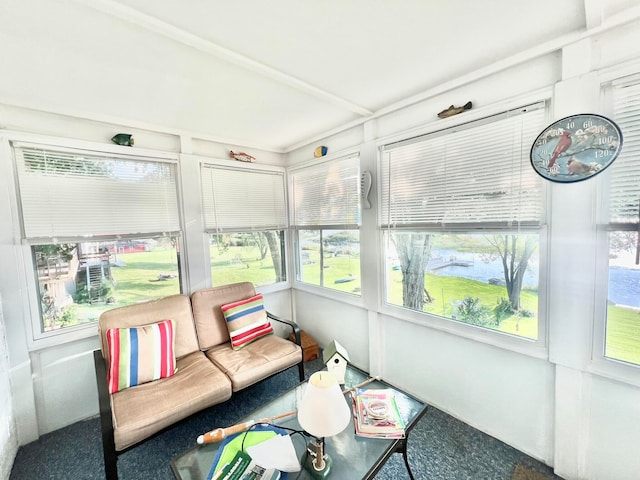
<point>376,414</point>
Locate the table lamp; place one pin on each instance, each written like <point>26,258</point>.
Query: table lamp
<point>323,412</point>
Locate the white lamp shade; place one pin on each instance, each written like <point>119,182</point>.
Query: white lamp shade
<point>323,411</point>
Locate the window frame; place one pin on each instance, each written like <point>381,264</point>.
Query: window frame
<point>294,229</point>
<point>35,336</point>
<point>536,348</point>
<point>599,363</point>
<point>208,162</point>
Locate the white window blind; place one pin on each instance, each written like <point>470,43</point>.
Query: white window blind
<point>327,194</point>
<point>624,199</point>
<point>476,175</point>
<point>67,193</point>
<point>242,199</point>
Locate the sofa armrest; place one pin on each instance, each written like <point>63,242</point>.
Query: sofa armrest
<point>294,326</point>
<point>296,332</point>
<point>106,419</point>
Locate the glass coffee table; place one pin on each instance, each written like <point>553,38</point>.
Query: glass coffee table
<point>353,456</point>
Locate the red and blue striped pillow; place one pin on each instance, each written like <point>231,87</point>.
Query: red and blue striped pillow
<point>141,354</point>
<point>247,321</point>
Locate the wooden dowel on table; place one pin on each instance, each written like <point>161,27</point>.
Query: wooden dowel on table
<point>221,433</point>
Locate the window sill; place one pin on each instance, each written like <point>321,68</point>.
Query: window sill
<point>337,295</point>
<point>615,370</point>
<point>63,336</point>
<point>523,345</point>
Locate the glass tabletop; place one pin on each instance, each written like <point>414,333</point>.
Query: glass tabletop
<point>353,456</point>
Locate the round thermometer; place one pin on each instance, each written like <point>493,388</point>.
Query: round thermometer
<point>575,148</point>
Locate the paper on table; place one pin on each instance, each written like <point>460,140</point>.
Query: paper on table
<point>277,452</point>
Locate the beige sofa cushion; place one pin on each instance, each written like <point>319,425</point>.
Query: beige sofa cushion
<point>141,411</point>
<point>175,307</point>
<point>256,361</point>
<point>207,313</point>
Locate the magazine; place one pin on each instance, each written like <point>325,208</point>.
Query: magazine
<point>376,414</point>
<point>242,467</point>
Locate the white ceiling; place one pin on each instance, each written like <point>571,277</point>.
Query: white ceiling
<point>263,74</point>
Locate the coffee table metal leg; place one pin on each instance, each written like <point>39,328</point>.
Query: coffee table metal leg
<point>406,461</point>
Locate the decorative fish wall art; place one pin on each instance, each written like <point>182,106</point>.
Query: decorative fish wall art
<point>241,156</point>
<point>451,111</point>
<point>124,139</point>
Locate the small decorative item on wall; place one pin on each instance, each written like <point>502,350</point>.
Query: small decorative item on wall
<point>451,111</point>
<point>124,139</point>
<point>320,151</point>
<point>575,148</point>
<point>241,156</point>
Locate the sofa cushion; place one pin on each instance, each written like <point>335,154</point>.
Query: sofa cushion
<point>139,355</point>
<point>175,307</point>
<point>141,411</point>
<point>207,311</point>
<point>246,321</point>
<point>256,361</point>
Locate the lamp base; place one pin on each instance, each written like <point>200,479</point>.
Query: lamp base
<point>316,463</point>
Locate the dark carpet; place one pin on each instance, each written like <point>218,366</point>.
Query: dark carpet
<point>440,447</point>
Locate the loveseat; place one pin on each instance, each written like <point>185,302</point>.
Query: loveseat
<point>207,369</point>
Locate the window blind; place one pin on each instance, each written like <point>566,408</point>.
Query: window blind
<point>477,175</point>
<point>66,193</point>
<point>242,199</point>
<point>327,194</point>
<point>624,199</point>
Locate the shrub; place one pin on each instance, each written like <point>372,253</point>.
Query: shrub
<point>472,311</point>
<point>502,310</point>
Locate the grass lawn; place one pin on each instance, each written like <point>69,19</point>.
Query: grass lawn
<point>345,269</point>
<point>137,281</point>
<point>445,291</point>
<point>623,334</point>
<point>241,264</point>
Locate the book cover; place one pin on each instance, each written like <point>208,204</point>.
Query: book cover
<point>236,442</point>
<point>376,414</point>
<point>242,467</point>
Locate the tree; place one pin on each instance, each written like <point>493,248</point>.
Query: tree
<point>273,239</point>
<point>414,250</point>
<point>515,260</point>
<point>261,241</point>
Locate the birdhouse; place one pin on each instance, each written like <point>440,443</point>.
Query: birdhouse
<point>335,357</point>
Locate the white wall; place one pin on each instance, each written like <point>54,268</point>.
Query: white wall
<point>8,434</point>
<point>557,404</point>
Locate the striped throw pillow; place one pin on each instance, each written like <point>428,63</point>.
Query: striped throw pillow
<point>141,354</point>
<point>247,321</point>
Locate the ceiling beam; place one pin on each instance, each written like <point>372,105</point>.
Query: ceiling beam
<point>593,13</point>
<point>165,29</point>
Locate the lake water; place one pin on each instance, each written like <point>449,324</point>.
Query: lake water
<point>624,283</point>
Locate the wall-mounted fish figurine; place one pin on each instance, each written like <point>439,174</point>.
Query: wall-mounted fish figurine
<point>124,139</point>
<point>449,112</point>
<point>241,156</point>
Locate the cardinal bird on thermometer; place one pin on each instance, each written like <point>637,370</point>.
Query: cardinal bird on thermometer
<point>563,144</point>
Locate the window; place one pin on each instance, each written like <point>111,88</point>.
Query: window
<point>78,281</point>
<point>103,230</point>
<point>461,211</point>
<point>622,331</point>
<point>245,217</point>
<point>326,218</point>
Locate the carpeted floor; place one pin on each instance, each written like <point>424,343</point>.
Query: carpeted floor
<point>440,447</point>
